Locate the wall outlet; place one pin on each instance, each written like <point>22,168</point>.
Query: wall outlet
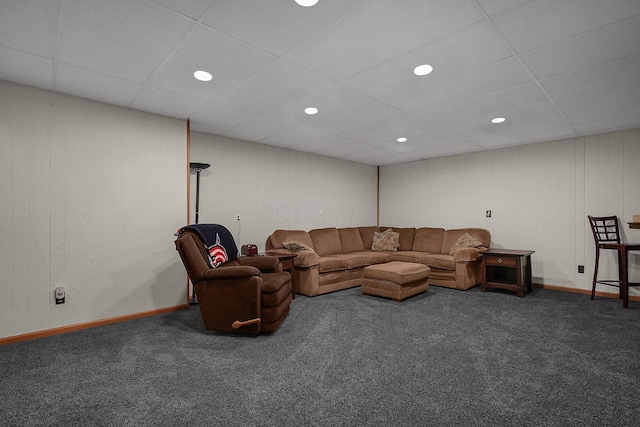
<point>488,214</point>
<point>581,269</point>
<point>59,295</point>
<point>238,217</point>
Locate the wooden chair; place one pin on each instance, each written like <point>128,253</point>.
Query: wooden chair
<point>606,234</point>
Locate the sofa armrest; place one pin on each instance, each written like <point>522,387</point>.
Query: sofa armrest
<point>232,272</point>
<point>306,259</point>
<point>466,255</point>
<point>266,264</point>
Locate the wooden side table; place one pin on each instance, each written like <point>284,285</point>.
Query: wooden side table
<point>506,269</point>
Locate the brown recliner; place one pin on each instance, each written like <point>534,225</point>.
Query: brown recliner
<point>248,295</point>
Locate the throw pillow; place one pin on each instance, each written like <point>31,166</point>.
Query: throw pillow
<point>466,241</point>
<point>296,246</point>
<point>388,240</point>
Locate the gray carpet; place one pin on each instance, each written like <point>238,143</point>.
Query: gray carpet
<point>438,359</point>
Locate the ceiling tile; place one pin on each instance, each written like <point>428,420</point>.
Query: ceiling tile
<point>98,35</point>
<point>446,150</point>
<point>295,136</point>
<point>486,105</point>
<point>29,26</point>
<point>345,150</point>
<point>391,159</point>
<point>610,111</point>
<point>165,103</point>
<point>484,132</point>
<point>87,84</point>
<point>202,49</point>
<point>608,124</point>
<point>257,129</point>
<point>389,128</point>
<point>322,144</point>
<point>331,103</point>
<point>278,84</point>
<point>494,6</point>
<point>490,78</point>
<point>590,48</point>
<point>275,26</point>
<point>537,23</point>
<point>534,135</point>
<point>216,119</point>
<point>418,139</point>
<point>25,68</point>
<point>191,8</point>
<point>381,30</point>
<point>600,96</point>
<point>462,51</point>
<point>587,79</point>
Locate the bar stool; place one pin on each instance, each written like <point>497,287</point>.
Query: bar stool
<point>607,236</point>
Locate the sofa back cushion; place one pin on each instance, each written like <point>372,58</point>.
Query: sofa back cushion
<point>326,241</point>
<point>350,240</point>
<point>428,240</point>
<point>279,237</point>
<point>451,237</point>
<point>366,234</point>
<point>406,238</point>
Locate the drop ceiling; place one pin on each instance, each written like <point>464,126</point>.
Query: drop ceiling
<point>554,69</point>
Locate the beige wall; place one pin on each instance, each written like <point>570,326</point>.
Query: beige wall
<point>90,196</point>
<point>539,195</point>
<point>272,188</point>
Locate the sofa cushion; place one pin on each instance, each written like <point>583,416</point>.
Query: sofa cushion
<point>388,240</point>
<point>363,259</point>
<point>331,263</point>
<point>451,237</point>
<point>279,237</point>
<point>296,246</point>
<point>406,238</point>
<point>466,241</point>
<point>441,261</point>
<point>350,240</point>
<point>428,240</point>
<point>407,256</point>
<point>366,234</point>
<point>326,241</point>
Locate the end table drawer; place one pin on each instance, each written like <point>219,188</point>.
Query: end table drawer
<point>501,260</point>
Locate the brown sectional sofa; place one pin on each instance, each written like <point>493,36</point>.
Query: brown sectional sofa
<point>339,255</point>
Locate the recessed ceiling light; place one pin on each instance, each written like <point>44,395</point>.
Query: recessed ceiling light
<point>203,76</point>
<point>423,70</point>
<point>498,120</point>
<point>307,3</point>
<point>311,110</point>
<point>402,139</point>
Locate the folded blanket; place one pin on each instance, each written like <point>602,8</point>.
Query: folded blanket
<point>217,240</point>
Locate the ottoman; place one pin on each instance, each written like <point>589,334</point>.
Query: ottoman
<point>396,280</point>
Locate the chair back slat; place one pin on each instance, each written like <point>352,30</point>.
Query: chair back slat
<point>605,229</point>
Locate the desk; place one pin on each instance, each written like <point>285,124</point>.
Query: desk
<point>506,269</point>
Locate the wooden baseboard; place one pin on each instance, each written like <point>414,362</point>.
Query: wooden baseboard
<point>87,325</point>
<point>584,291</point>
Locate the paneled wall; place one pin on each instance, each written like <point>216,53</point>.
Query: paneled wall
<point>90,195</point>
<point>272,188</point>
<point>539,196</point>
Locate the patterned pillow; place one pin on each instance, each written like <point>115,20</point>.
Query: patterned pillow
<point>294,245</point>
<point>466,241</point>
<point>388,240</point>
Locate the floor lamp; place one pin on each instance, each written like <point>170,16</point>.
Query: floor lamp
<point>198,168</point>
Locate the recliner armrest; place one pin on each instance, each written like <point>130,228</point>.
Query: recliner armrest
<point>231,272</point>
<point>262,263</point>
